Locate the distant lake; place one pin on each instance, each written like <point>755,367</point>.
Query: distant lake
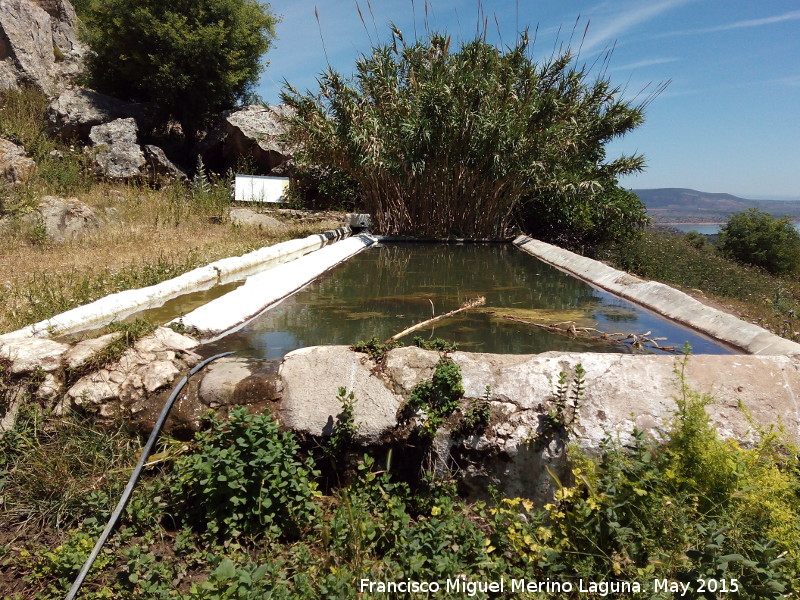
<point>709,229</point>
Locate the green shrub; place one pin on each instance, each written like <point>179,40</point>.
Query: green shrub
<point>446,143</point>
<point>757,238</point>
<point>208,58</point>
<point>245,478</point>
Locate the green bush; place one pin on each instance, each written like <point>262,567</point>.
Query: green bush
<point>245,478</point>
<point>448,143</point>
<point>189,58</point>
<point>757,238</point>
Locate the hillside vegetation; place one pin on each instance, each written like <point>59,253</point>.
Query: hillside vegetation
<point>146,235</point>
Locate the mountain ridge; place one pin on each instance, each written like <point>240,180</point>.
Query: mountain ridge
<point>685,205</point>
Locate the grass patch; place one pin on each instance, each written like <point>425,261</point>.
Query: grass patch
<point>147,236</point>
<point>56,472</point>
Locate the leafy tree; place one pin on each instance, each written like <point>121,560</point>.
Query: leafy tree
<point>757,238</point>
<point>189,58</point>
<point>452,143</point>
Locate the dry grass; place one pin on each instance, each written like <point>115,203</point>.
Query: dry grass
<point>146,236</point>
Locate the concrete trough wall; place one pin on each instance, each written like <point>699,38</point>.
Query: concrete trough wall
<point>120,305</point>
<point>664,300</point>
<point>261,291</point>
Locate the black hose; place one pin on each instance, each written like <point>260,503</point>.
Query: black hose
<point>112,522</point>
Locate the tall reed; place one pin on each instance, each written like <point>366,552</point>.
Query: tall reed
<point>447,143</point>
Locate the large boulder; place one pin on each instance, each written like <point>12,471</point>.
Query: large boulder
<point>15,166</point>
<point>252,132</point>
<point>117,153</point>
<point>246,217</point>
<point>38,44</point>
<point>159,167</point>
<point>76,111</point>
<point>64,219</point>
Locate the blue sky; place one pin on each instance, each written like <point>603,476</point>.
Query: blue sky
<point>728,122</point>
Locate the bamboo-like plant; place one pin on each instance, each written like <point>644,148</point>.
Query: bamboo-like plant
<point>448,143</point>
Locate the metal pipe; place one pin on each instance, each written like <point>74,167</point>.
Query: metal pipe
<point>123,501</point>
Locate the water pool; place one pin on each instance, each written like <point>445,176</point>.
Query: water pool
<point>389,287</point>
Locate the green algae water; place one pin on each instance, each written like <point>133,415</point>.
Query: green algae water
<point>389,287</point>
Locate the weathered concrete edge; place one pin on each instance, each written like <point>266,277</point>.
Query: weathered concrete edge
<point>663,299</point>
<point>128,301</point>
<point>261,291</point>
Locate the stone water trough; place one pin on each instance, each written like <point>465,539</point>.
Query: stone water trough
<point>756,389</point>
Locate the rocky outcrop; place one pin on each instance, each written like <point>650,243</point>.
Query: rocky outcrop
<point>252,132</point>
<point>15,166</point>
<point>247,217</point>
<point>38,44</point>
<point>117,153</point>
<point>76,111</point>
<point>129,385</point>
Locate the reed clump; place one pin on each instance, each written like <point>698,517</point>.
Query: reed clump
<point>450,143</point>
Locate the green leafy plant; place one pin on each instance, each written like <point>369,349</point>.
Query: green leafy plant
<point>438,397</point>
<point>560,420</point>
<point>245,478</point>
<point>344,429</point>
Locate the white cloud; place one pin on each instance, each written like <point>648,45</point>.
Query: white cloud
<point>789,16</point>
<point>614,25</point>
<point>644,63</point>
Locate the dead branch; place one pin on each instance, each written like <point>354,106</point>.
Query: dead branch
<point>635,340</point>
<point>475,302</point>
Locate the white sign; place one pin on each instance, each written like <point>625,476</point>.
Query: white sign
<point>253,188</point>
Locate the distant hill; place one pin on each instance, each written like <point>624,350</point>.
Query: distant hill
<point>682,205</point>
